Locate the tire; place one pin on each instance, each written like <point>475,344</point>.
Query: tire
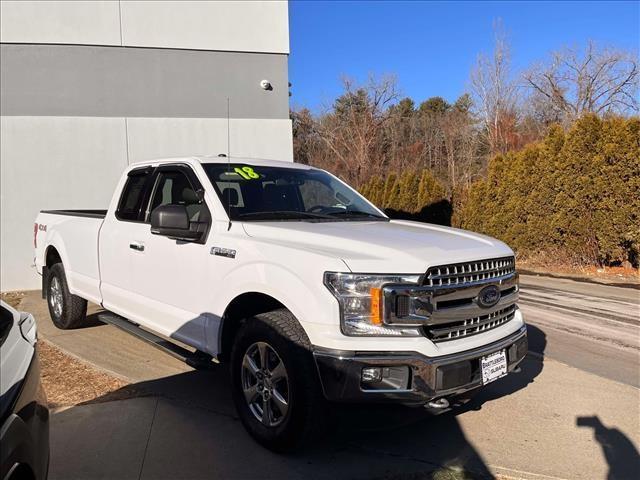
<point>285,427</point>
<point>67,311</point>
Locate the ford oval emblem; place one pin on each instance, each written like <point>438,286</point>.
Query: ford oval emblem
<point>489,296</point>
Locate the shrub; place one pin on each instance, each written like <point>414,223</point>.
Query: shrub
<point>414,195</point>
<point>576,193</point>
<point>573,197</point>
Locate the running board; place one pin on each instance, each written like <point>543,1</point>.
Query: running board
<point>195,359</point>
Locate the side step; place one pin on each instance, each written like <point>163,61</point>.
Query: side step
<point>197,359</point>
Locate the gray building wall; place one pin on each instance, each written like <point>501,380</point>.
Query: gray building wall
<point>88,87</point>
<point>90,81</point>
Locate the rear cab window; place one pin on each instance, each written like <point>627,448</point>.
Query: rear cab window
<point>134,195</point>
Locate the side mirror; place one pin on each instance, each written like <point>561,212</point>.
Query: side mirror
<point>173,221</point>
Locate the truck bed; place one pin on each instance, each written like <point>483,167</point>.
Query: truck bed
<point>74,236</point>
<point>78,213</point>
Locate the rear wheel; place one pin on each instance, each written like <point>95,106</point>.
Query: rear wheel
<point>67,310</point>
<point>276,389</point>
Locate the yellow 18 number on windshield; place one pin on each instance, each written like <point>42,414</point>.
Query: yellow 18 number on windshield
<point>247,173</point>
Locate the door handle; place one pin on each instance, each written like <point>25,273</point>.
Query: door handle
<point>137,246</point>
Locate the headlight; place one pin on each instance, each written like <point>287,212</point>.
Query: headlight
<point>360,298</point>
<point>28,329</point>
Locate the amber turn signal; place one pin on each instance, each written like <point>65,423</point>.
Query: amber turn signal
<point>376,311</point>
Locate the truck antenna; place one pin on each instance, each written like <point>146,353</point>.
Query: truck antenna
<point>228,160</point>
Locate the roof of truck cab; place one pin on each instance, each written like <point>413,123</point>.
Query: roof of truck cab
<point>204,159</point>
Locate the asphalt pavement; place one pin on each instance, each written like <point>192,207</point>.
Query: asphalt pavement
<point>572,413</point>
<point>593,327</point>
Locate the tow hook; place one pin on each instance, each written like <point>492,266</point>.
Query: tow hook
<point>438,404</point>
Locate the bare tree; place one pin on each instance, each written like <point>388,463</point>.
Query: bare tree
<point>353,131</point>
<point>494,92</point>
<point>461,144</point>
<point>367,131</point>
<point>575,82</point>
<point>306,142</point>
<point>402,145</point>
<point>432,137</point>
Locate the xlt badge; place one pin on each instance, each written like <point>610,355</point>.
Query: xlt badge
<point>223,252</point>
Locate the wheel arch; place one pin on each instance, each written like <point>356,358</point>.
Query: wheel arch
<point>267,286</point>
<point>243,306</point>
<point>52,256</point>
<point>55,251</point>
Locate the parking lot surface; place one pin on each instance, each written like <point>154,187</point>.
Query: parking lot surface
<point>572,413</point>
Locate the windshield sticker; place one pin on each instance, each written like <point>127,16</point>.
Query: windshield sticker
<point>247,173</point>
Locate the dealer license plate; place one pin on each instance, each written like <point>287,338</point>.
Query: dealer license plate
<point>493,366</point>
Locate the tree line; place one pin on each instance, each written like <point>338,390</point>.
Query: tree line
<point>547,159</point>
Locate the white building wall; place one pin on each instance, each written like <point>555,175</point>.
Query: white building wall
<point>173,137</point>
<point>70,154</point>
<point>71,22</point>
<point>237,26</point>
<point>243,26</point>
<point>51,162</point>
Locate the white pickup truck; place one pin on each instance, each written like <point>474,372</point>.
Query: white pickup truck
<point>309,291</point>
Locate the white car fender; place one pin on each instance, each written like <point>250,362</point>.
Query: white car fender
<point>309,303</point>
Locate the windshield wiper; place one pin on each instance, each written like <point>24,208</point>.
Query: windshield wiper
<point>357,213</point>
<point>275,214</point>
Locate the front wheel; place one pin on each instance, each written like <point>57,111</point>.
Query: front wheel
<point>67,310</point>
<point>276,388</point>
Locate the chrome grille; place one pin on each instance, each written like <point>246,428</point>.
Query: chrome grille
<point>455,287</point>
<point>469,272</point>
<point>471,326</point>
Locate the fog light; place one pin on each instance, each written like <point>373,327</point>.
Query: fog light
<point>371,374</point>
<point>385,378</point>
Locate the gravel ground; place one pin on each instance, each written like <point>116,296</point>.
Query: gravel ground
<point>68,381</point>
<point>624,276</point>
<point>12,298</point>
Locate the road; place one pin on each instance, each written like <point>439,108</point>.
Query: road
<point>571,414</point>
<point>593,327</point>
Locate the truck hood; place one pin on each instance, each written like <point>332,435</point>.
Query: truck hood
<point>381,247</point>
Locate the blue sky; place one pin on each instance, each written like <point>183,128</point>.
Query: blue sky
<point>432,46</point>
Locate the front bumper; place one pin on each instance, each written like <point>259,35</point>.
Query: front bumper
<point>428,378</point>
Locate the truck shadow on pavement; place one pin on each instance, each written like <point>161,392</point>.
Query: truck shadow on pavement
<point>185,427</point>
<point>92,320</point>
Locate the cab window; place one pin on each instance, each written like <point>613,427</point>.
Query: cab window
<point>131,204</point>
<point>174,188</point>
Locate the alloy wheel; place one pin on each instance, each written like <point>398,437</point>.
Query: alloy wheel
<point>265,384</point>
<point>55,296</point>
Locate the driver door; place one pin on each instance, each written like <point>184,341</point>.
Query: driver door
<point>171,275</point>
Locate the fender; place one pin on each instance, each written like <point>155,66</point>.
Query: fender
<point>55,241</point>
<point>82,283</point>
<point>309,303</point>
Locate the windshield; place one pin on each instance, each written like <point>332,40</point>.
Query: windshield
<point>256,193</point>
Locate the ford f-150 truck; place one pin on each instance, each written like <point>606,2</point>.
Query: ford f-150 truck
<point>310,292</point>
